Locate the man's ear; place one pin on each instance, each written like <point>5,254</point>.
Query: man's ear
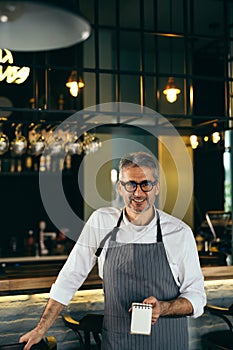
<point>119,186</point>
<point>157,187</point>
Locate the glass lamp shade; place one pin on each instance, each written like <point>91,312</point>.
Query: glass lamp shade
<point>39,26</point>
<point>171,91</point>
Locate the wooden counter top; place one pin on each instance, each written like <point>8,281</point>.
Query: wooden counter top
<point>217,272</point>
<point>36,278</point>
<point>42,279</point>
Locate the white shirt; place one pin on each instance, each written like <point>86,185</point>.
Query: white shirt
<point>178,241</point>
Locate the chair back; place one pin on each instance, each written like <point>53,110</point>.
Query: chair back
<point>219,339</point>
<point>217,221</point>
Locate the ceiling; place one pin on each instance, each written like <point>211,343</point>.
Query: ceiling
<point>207,23</point>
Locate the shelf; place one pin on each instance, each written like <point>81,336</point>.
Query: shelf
<point>35,173</point>
<point>33,259</point>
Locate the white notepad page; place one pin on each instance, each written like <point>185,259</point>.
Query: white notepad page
<point>141,319</point>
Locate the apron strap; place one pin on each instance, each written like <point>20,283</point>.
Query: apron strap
<point>116,229</point>
<point>159,231</point>
<point>113,232</point>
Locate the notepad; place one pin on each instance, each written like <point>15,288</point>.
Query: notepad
<point>141,319</point>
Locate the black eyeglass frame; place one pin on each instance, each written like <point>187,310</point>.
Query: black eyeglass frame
<point>136,184</point>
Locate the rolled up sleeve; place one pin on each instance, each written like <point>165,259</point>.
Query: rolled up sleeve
<point>76,269</point>
<point>190,275</point>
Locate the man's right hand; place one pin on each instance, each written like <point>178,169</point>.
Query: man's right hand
<point>31,338</point>
<point>51,312</point>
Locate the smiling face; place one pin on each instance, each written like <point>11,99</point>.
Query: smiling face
<point>138,203</point>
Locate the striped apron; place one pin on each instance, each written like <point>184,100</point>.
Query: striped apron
<point>131,273</point>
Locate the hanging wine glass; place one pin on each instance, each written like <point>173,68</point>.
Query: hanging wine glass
<point>19,144</point>
<point>36,141</point>
<point>4,141</point>
<point>54,141</point>
<point>73,144</point>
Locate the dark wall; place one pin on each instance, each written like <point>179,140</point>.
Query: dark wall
<point>208,181</point>
<point>22,208</point>
<point>208,87</point>
<point>208,69</point>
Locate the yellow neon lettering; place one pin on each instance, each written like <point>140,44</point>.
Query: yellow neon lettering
<point>22,75</point>
<point>7,58</point>
<point>12,74</point>
<point>3,74</point>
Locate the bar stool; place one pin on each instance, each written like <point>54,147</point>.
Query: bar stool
<point>222,339</point>
<point>49,343</point>
<point>90,323</point>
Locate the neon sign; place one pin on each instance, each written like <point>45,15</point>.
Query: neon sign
<point>12,74</point>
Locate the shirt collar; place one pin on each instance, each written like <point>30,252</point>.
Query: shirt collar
<point>140,228</point>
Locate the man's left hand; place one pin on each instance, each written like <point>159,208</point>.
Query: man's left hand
<point>156,307</point>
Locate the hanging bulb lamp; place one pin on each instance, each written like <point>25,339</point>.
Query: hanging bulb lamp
<point>74,84</point>
<point>171,91</point>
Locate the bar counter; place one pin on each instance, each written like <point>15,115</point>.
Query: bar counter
<point>36,274</point>
<point>25,283</point>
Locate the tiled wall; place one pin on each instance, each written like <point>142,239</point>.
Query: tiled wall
<point>20,313</point>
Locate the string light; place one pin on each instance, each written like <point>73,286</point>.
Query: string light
<point>216,137</point>
<point>194,141</point>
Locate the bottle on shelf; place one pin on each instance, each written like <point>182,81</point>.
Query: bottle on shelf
<point>30,244</point>
<point>28,164</point>
<point>13,246</point>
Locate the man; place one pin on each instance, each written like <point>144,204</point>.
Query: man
<point>144,255</point>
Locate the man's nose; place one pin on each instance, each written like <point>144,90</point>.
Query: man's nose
<point>138,189</point>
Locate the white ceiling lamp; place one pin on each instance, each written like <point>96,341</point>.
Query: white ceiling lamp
<point>40,26</point>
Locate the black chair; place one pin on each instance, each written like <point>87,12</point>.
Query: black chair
<point>90,323</point>
<point>49,343</point>
<point>222,339</point>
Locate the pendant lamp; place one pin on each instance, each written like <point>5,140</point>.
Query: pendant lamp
<point>171,90</point>
<point>74,84</point>
<point>40,26</point>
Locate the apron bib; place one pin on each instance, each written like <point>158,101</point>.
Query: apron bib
<point>131,273</point>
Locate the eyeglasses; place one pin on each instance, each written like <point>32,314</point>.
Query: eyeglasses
<point>131,186</point>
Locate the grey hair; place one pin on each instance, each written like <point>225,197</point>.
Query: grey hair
<point>139,159</point>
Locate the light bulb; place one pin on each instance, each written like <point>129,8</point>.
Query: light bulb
<point>171,95</point>
<point>216,137</point>
<point>74,89</point>
<point>171,91</point>
<point>194,141</point>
